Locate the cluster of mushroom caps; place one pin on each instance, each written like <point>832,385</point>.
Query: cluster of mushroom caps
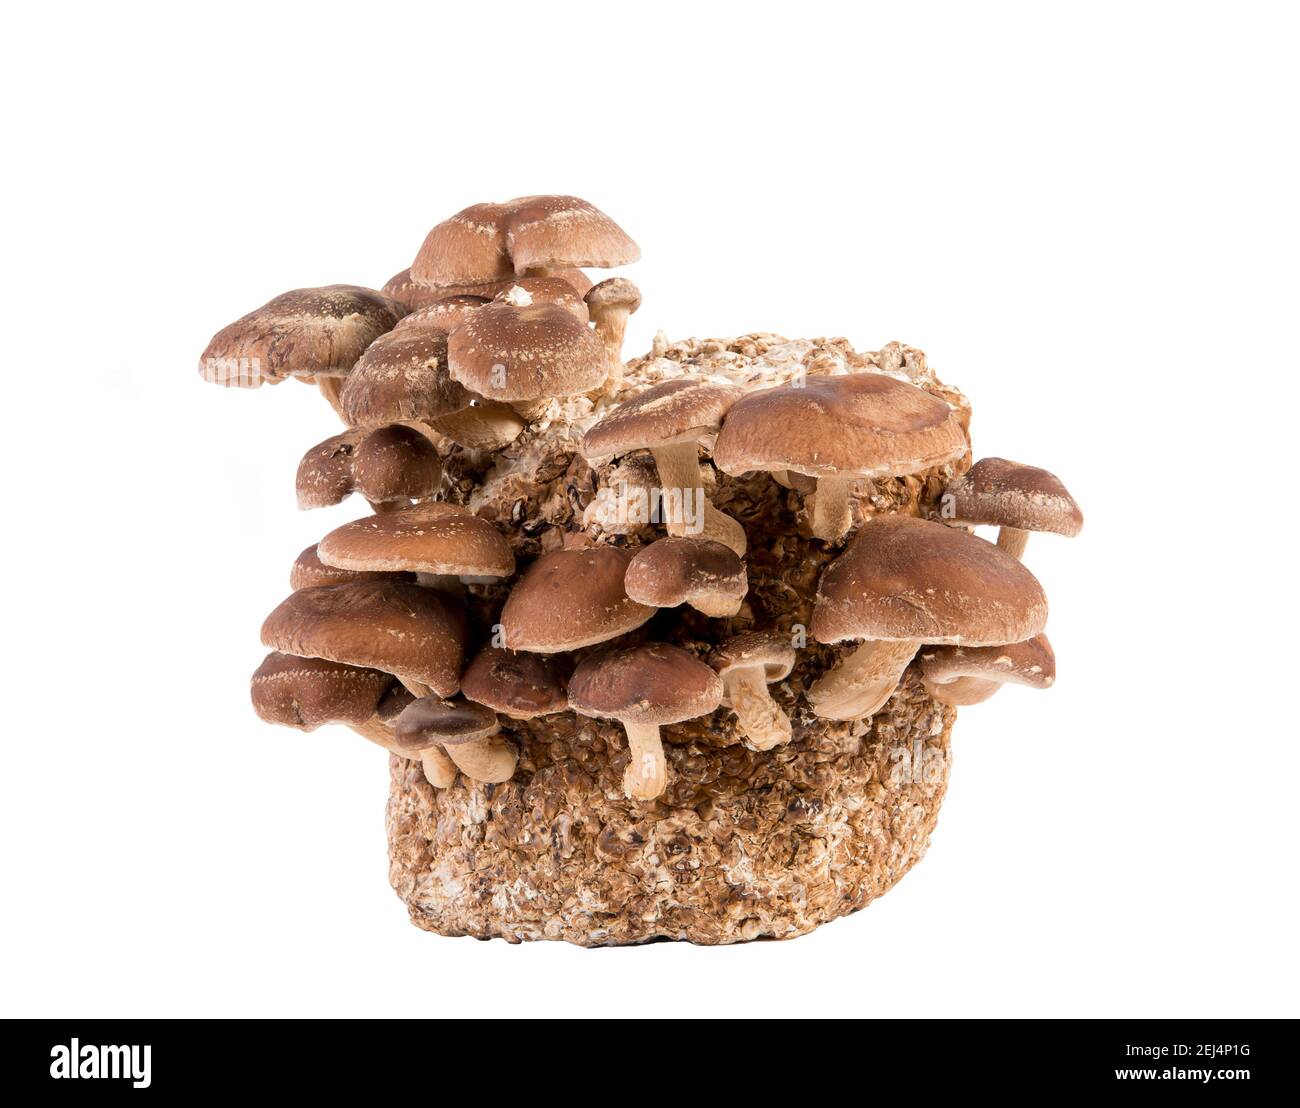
<point>411,626</point>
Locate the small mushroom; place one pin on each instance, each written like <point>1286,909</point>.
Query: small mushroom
<point>467,732</point>
<point>521,686</point>
<point>1013,497</point>
<point>309,570</point>
<point>644,687</point>
<point>961,675</point>
<point>669,420</point>
<point>414,296</point>
<point>611,304</point>
<point>306,693</point>
<point>571,598</point>
<point>838,430</point>
<point>443,315</point>
<point>705,574</point>
<point>325,474</point>
<point>439,770</point>
<point>903,582</point>
<point>747,664</point>
<point>395,463</point>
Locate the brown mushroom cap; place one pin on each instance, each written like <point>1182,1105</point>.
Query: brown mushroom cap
<point>308,570</point>
<point>403,629</point>
<point>1009,494</point>
<point>569,599</point>
<point>687,570</point>
<point>522,686</point>
<point>393,703</point>
<point>651,684</point>
<point>430,721</point>
<point>860,424</point>
<point>402,289</point>
<point>307,692</point>
<point>403,378</point>
<point>514,353</point>
<point>1032,663</point>
<point>617,293</point>
<point>443,315</point>
<point>468,248</point>
<point>411,296</point>
<point>769,649</point>
<point>681,410</point>
<point>550,232</point>
<point>906,579</point>
<point>318,332</point>
<point>546,290</point>
<point>396,462</point>
<point>428,538</point>
<point>325,473</point>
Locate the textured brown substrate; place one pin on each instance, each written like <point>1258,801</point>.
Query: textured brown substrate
<point>743,845</point>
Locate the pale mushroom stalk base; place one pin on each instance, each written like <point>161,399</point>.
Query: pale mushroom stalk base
<point>832,508</point>
<point>865,678</point>
<point>1013,540</point>
<point>491,759</point>
<point>376,733</point>
<point>681,483</point>
<point>611,326</point>
<point>717,607</point>
<point>439,770</point>
<point>647,773</point>
<point>443,582</point>
<point>962,691</point>
<point>764,723</point>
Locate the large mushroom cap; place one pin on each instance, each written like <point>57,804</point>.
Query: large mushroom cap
<point>429,538</point>
<point>568,599</point>
<point>910,579</point>
<point>685,570</point>
<point>522,686</point>
<point>652,683</point>
<point>468,248</point>
<point>680,410</point>
<point>403,378</point>
<point>308,570</point>
<point>860,424</point>
<point>551,232</point>
<point>430,720</point>
<point>1010,494</point>
<point>403,629</point>
<point>318,332</point>
<point>512,353</point>
<point>396,462</point>
<point>325,474</point>
<point>308,692</point>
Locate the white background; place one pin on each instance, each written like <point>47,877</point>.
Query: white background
<point>1087,218</point>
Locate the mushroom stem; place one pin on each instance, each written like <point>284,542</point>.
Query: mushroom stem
<point>961,691</point>
<point>374,731</point>
<point>611,326</point>
<point>832,508</point>
<point>1013,540</point>
<point>443,582</point>
<point>530,410</point>
<point>536,271</point>
<point>416,689</point>
<point>762,720</point>
<point>332,389</point>
<point>862,682</point>
<point>682,487</point>
<point>646,775</point>
<point>491,758</point>
<point>439,770</point>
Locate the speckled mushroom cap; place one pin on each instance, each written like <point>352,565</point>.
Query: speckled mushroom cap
<point>1032,663</point>
<point>443,315</point>
<point>652,683</point>
<point>678,570</point>
<point>406,292</point>
<point>403,629</point>
<point>546,290</point>
<point>911,579</point>
<point>430,721</point>
<point>308,692</point>
<point>522,686</point>
<point>1009,494</point>
<point>552,232</point>
<point>615,292</point>
<point>428,538</point>
<point>395,462</point>
<point>403,378</point>
<point>515,354</point>
<point>308,570</point>
<point>681,410</point>
<point>769,649</point>
<point>466,249</point>
<point>569,599</point>
<point>317,332</point>
<point>325,473</point>
<point>858,424</point>
<point>402,289</point>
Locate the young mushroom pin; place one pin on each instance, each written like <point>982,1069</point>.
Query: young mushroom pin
<point>467,732</point>
<point>747,664</point>
<point>705,574</point>
<point>1013,497</point>
<point>611,304</point>
<point>644,687</point>
<point>521,686</point>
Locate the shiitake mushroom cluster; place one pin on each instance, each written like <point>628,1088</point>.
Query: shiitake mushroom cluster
<point>421,625</point>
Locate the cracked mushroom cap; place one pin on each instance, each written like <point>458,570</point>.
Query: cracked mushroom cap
<point>1032,663</point>
<point>443,315</point>
<point>403,378</point>
<point>556,232</point>
<point>614,293</point>
<point>396,462</point>
<point>308,570</point>
<point>651,684</point>
<point>569,599</point>
<point>1009,494</point>
<point>325,473</point>
<point>522,686</point>
<point>511,353</point>
<point>859,424</point>
<point>769,649</point>
<point>682,410</point>
<point>430,721</point>
<point>317,332</point>
<point>911,579</point>
<point>687,570</point>
<point>402,629</point>
<point>428,538</point>
<point>308,692</point>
